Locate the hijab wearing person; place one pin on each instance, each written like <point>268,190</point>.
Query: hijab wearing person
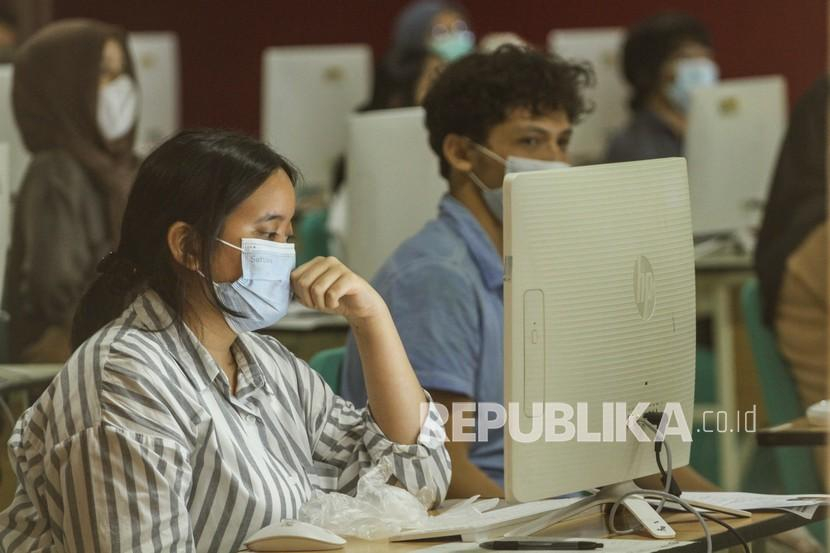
<point>59,103</point>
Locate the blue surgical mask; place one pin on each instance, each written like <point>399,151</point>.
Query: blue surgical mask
<point>494,197</point>
<point>690,74</point>
<point>262,294</point>
<point>453,45</point>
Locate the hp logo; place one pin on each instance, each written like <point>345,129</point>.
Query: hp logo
<point>644,287</point>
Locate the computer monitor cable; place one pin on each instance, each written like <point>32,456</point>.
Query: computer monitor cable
<point>663,495</point>
<point>674,488</point>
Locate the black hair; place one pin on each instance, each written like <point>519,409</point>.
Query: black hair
<point>650,43</point>
<point>198,177</point>
<point>479,91</point>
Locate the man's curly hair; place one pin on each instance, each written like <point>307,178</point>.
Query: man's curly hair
<point>480,91</point>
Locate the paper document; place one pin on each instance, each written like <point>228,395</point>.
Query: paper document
<point>807,511</point>
<point>493,518</point>
<point>755,501</point>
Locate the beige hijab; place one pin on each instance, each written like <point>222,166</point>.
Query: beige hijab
<point>55,97</point>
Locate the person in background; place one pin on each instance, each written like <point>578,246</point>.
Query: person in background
<point>664,58</point>
<point>791,257</point>
<point>426,35</point>
<point>8,34</point>
<point>175,426</point>
<point>76,104</point>
<point>508,110</point>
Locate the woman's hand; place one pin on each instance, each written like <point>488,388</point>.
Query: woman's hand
<point>327,285</point>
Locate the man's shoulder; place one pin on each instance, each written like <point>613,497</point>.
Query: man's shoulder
<point>434,257</point>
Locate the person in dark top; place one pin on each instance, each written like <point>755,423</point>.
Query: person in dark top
<point>664,58</point>
<point>75,102</point>
<point>791,257</point>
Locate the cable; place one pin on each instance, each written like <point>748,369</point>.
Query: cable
<point>664,495</point>
<point>666,474</point>
<point>730,528</point>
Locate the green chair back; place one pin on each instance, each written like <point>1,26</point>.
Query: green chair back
<point>312,236</point>
<point>328,363</point>
<point>796,465</point>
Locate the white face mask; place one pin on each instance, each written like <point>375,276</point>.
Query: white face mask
<point>262,294</point>
<point>117,107</point>
<point>494,197</point>
<point>690,74</point>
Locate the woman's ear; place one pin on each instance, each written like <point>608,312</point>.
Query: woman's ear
<point>458,151</point>
<point>181,244</point>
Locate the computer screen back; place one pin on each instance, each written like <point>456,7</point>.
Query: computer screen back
<point>734,133</point>
<point>308,93</point>
<point>156,58</point>
<point>393,185</point>
<point>599,308</point>
<point>601,48</point>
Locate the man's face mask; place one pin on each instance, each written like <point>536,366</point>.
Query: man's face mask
<point>262,294</point>
<point>690,74</point>
<point>494,197</point>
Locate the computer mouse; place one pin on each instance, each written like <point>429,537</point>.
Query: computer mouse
<point>293,535</point>
<point>819,413</point>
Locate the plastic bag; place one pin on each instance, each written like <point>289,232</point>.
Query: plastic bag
<point>379,511</point>
<point>376,512</point>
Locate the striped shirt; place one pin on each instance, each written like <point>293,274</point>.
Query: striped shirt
<point>138,444</point>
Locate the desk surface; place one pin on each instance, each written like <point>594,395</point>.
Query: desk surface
<point>761,525</point>
<point>795,433</point>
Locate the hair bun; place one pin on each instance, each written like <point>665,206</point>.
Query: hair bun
<point>116,263</point>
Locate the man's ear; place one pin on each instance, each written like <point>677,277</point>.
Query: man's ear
<point>458,152</point>
<point>180,241</point>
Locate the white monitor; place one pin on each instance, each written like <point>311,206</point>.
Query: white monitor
<point>734,133</point>
<point>156,59</point>
<point>599,303</point>
<point>5,213</point>
<point>308,93</point>
<point>393,184</point>
<point>602,48</point>
<point>18,156</point>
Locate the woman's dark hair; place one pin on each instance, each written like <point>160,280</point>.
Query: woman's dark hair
<point>479,91</point>
<point>198,177</point>
<point>650,44</point>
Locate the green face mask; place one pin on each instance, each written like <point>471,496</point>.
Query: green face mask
<point>451,46</point>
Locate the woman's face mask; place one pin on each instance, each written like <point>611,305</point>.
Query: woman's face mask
<point>451,40</point>
<point>689,74</point>
<point>117,107</point>
<point>453,45</point>
<point>262,294</point>
<point>494,197</point>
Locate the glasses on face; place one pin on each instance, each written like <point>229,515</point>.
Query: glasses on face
<point>441,29</point>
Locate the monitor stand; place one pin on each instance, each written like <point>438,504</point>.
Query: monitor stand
<point>608,495</point>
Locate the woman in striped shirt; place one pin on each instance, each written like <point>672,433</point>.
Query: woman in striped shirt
<point>175,428</point>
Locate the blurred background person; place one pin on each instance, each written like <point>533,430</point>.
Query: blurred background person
<point>19,19</point>
<point>791,257</point>
<point>665,57</point>
<point>8,34</point>
<point>76,105</point>
<point>427,34</point>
